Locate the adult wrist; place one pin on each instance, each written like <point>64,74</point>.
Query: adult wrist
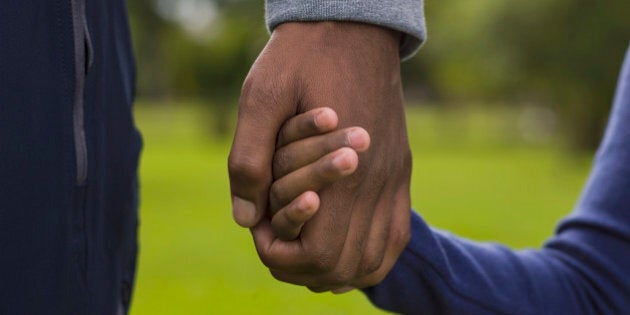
<point>334,37</point>
<point>404,16</point>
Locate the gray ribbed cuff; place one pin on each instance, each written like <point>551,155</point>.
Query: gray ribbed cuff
<point>406,16</point>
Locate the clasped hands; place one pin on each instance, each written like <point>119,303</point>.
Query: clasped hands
<point>320,164</point>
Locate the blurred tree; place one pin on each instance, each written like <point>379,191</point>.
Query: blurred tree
<point>186,50</point>
<point>569,52</point>
<point>564,54</point>
<point>219,65</point>
<point>148,28</point>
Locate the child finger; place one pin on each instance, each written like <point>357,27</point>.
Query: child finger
<point>303,152</point>
<point>313,177</point>
<point>313,122</point>
<point>287,222</point>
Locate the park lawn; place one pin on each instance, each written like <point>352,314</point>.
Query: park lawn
<point>472,175</point>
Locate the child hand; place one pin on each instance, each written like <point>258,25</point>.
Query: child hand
<point>310,156</point>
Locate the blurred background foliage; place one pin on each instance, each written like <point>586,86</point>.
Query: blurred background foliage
<point>561,56</point>
<point>506,102</point>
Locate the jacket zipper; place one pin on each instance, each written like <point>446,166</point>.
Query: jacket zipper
<point>82,61</point>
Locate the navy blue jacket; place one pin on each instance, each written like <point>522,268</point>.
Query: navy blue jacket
<point>583,269</point>
<point>68,157</point>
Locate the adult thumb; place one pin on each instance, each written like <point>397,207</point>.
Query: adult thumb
<point>261,114</point>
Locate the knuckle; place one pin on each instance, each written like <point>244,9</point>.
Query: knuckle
<point>341,277</point>
<point>246,168</point>
<point>281,161</point>
<point>371,263</point>
<point>276,193</point>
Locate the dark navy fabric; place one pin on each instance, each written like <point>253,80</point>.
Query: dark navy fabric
<point>583,269</point>
<point>66,248</point>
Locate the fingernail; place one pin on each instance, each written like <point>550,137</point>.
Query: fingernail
<point>325,120</point>
<point>318,117</point>
<point>342,290</point>
<point>357,139</point>
<point>342,161</point>
<point>244,212</point>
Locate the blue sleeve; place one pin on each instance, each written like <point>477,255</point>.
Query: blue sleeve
<point>583,269</point>
<point>405,16</point>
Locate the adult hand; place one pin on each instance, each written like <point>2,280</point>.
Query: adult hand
<point>362,225</point>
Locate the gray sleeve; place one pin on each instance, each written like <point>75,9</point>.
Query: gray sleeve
<point>406,16</point>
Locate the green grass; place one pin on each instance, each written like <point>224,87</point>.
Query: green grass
<point>472,175</point>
